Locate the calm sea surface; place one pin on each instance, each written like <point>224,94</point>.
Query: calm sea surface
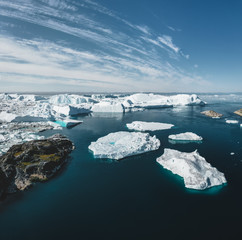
<point>136,198</point>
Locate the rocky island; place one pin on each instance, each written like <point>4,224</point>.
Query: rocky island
<point>32,161</point>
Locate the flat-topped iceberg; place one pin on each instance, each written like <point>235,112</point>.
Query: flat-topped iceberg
<point>108,106</point>
<point>148,126</point>
<point>159,101</point>
<point>194,169</point>
<point>70,110</point>
<point>185,137</point>
<point>122,144</point>
<point>232,121</point>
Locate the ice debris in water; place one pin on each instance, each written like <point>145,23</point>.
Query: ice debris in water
<point>123,144</point>
<point>148,126</point>
<point>193,168</point>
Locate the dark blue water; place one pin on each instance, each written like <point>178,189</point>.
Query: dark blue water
<point>135,198</point>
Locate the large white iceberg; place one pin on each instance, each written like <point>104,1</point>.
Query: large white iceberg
<point>66,99</point>
<point>187,136</point>
<point>193,168</point>
<point>148,126</point>
<point>108,106</point>
<point>123,144</point>
<point>159,101</point>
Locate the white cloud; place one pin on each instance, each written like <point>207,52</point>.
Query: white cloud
<point>167,41</point>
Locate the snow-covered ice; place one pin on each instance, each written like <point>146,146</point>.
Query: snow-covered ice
<point>123,144</point>
<point>148,126</point>
<point>193,168</point>
<point>108,106</point>
<point>70,110</point>
<point>231,121</point>
<point>187,136</point>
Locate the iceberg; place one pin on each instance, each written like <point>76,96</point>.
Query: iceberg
<point>194,169</point>
<point>7,117</point>
<point>66,99</point>
<point>70,110</point>
<point>159,101</point>
<point>232,121</point>
<point>108,106</point>
<point>184,137</point>
<point>148,126</point>
<point>122,144</point>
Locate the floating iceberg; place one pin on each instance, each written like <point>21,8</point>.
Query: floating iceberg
<point>148,126</point>
<point>66,99</point>
<point>7,117</point>
<point>185,137</point>
<point>108,106</point>
<point>123,144</point>
<point>197,173</point>
<point>159,101</point>
<point>70,110</point>
<point>232,121</point>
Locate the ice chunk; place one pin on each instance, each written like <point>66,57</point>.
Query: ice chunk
<point>108,106</point>
<point>232,121</point>
<point>196,171</point>
<point>123,144</point>
<point>148,126</point>
<point>185,137</point>
<point>7,117</point>
<point>71,110</point>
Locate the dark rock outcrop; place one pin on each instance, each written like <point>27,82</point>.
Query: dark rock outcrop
<point>211,113</point>
<point>239,112</point>
<point>36,160</point>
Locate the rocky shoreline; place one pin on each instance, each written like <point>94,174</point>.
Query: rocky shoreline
<point>32,161</point>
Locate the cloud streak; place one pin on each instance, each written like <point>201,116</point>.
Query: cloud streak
<point>98,56</point>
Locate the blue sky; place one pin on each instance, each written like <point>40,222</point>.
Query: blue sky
<point>121,45</point>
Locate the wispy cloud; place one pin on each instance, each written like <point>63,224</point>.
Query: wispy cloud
<point>99,56</point>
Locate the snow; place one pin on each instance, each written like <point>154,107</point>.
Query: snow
<point>148,126</point>
<point>108,106</point>
<point>187,136</point>
<point>193,168</point>
<point>123,144</point>
<point>232,121</point>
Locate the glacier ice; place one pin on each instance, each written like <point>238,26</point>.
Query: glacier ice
<point>68,123</point>
<point>185,137</point>
<point>148,126</point>
<point>194,169</point>
<point>122,144</point>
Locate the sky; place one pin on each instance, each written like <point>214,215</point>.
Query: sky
<point>120,46</point>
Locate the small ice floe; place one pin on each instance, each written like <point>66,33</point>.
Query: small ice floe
<point>68,123</point>
<point>122,144</point>
<point>184,138</point>
<point>194,169</point>
<point>148,126</point>
<point>232,153</point>
<point>232,121</point>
